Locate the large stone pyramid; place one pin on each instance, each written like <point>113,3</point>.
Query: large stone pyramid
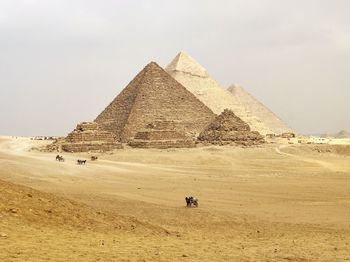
<point>271,121</point>
<point>196,79</point>
<point>151,95</point>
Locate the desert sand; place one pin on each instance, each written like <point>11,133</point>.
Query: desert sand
<point>274,202</point>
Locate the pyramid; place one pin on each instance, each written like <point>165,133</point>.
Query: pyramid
<point>274,124</point>
<point>196,79</point>
<point>88,136</point>
<point>342,134</point>
<point>151,95</point>
<point>227,128</point>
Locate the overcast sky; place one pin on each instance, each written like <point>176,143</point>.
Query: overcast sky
<point>62,62</point>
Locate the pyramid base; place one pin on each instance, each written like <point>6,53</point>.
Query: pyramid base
<point>161,144</point>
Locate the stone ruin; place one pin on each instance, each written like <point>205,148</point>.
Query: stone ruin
<point>162,134</point>
<point>227,128</point>
<point>88,136</point>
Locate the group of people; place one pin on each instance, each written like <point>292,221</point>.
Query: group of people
<point>191,201</point>
<point>79,162</point>
<point>59,158</point>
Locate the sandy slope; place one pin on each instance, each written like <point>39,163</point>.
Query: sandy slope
<point>274,203</point>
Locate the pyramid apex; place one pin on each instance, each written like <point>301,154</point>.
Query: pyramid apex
<point>152,64</point>
<point>186,64</point>
<point>183,54</point>
<point>152,67</point>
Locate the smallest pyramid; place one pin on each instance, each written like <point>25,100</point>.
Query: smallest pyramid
<point>227,128</point>
<point>343,134</point>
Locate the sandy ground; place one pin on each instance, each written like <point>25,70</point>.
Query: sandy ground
<point>272,203</point>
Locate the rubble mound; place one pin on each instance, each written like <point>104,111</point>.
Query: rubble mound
<point>88,136</point>
<point>227,128</point>
<point>162,134</point>
<point>153,94</point>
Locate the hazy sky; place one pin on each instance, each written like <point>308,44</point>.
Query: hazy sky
<point>62,62</point>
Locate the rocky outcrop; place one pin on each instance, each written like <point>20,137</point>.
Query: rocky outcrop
<point>227,128</point>
<point>162,134</point>
<point>88,136</point>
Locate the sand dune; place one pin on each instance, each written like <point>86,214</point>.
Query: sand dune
<point>269,203</point>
